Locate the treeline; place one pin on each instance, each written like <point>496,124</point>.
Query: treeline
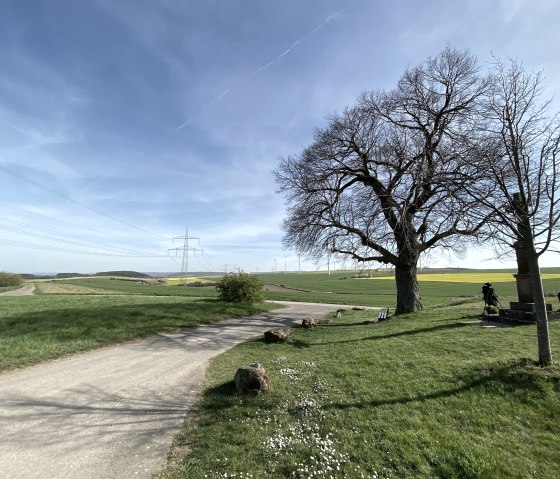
<point>124,274</point>
<point>8,279</point>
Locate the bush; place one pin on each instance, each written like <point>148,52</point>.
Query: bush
<point>240,288</point>
<point>7,279</point>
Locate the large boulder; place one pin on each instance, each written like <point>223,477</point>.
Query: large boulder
<point>252,379</point>
<point>277,335</point>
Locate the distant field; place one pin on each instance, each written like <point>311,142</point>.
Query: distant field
<point>187,279</point>
<point>340,288</point>
<point>479,278</point>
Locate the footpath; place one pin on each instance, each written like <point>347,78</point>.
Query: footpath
<point>113,413</point>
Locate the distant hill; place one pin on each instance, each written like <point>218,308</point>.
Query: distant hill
<point>125,274</point>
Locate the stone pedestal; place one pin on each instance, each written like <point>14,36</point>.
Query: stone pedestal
<point>525,313</point>
<point>524,309</point>
<point>524,287</point>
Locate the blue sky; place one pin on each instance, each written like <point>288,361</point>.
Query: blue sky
<point>122,122</point>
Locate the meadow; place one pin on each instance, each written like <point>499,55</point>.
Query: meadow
<point>340,288</point>
<point>426,395</point>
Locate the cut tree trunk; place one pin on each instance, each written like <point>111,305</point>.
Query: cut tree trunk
<point>408,291</point>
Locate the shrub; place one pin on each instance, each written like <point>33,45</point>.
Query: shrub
<point>7,279</point>
<point>240,288</point>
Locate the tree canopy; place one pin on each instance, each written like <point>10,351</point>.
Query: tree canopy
<point>386,180</point>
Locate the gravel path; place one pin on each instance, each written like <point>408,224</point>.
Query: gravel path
<point>113,413</point>
<point>27,290</point>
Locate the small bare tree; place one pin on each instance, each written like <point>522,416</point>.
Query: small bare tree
<point>385,180</point>
<point>522,187</point>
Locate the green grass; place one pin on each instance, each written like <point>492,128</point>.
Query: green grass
<point>418,396</point>
<point>337,288</point>
<point>131,287</point>
<point>38,328</point>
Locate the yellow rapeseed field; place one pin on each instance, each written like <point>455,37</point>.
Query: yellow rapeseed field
<point>482,277</point>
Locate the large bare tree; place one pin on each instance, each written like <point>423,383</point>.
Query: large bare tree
<point>385,180</point>
<point>522,184</point>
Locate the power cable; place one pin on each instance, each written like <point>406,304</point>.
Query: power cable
<point>73,239</point>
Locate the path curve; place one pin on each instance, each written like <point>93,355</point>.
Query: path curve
<point>26,290</point>
<point>113,413</point>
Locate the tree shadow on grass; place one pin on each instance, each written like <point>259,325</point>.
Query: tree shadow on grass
<point>299,344</point>
<point>520,378</point>
<point>219,397</point>
<point>377,337</point>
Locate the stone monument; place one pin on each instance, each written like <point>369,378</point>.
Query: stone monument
<point>523,310</point>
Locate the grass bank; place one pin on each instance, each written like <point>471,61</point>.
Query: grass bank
<point>420,396</point>
<point>38,328</point>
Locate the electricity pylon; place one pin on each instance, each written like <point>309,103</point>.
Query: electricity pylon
<point>185,248</point>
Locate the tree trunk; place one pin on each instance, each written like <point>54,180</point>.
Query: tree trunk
<point>543,338</point>
<point>408,291</point>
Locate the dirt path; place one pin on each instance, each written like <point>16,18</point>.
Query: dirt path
<point>26,290</point>
<point>113,413</point>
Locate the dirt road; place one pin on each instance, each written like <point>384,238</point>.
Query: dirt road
<point>26,290</point>
<point>113,413</point>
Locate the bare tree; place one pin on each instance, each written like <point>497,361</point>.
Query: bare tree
<point>385,180</point>
<point>522,187</point>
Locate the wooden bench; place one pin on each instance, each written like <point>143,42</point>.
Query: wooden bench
<point>383,315</point>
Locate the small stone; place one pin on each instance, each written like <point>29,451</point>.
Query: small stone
<point>277,335</point>
<point>308,323</point>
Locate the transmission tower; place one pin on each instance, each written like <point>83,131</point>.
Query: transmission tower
<point>185,248</point>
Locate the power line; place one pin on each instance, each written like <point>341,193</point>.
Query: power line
<point>22,244</point>
<point>26,229</point>
<point>68,198</point>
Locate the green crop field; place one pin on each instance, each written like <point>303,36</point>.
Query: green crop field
<point>341,288</point>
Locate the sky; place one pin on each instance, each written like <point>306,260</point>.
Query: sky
<point>123,123</point>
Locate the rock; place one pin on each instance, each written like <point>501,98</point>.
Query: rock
<point>252,379</point>
<point>277,335</point>
<point>308,323</point>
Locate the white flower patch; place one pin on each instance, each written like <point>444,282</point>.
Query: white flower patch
<point>231,475</point>
<point>292,374</point>
<point>279,443</point>
<point>306,404</point>
<point>280,359</point>
<point>308,364</point>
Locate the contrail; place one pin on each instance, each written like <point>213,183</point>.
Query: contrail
<point>262,68</point>
<point>221,95</point>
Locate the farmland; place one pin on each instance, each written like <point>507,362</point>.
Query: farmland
<point>339,287</point>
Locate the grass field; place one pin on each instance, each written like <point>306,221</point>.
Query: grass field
<point>419,396</point>
<point>341,288</point>
<point>38,328</point>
